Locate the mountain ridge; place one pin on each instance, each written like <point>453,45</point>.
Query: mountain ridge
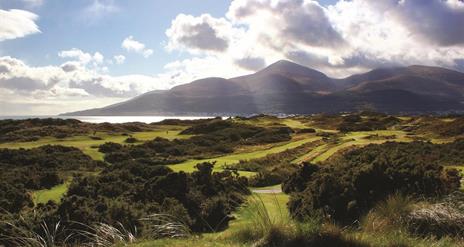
<point>285,87</point>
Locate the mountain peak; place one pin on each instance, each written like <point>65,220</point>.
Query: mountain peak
<point>286,67</point>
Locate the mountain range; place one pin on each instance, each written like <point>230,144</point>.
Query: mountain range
<point>288,88</point>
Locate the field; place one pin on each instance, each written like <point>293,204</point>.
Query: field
<point>268,204</point>
<point>89,145</point>
<point>232,159</point>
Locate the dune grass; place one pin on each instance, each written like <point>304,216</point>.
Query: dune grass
<point>189,166</point>
<point>275,210</point>
<point>88,145</point>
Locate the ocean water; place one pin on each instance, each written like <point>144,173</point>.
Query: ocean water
<point>111,119</point>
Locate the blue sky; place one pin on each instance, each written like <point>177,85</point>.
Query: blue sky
<point>65,24</point>
<point>67,55</point>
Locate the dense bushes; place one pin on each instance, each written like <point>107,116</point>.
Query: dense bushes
<point>273,168</point>
<point>126,192</point>
<point>33,129</point>
<point>349,186</point>
<point>39,168</point>
<point>211,138</point>
<point>363,123</point>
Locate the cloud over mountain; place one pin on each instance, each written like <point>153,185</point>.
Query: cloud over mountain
<point>199,33</point>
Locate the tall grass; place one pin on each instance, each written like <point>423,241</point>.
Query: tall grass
<point>388,214</point>
<point>98,235</point>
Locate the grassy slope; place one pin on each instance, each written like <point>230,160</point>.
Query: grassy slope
<point>325,151</point>
<point>85,143</point>
<point>231,159</point>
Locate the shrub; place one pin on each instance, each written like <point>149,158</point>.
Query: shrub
<point>347,187</point>
<point>131,140</point>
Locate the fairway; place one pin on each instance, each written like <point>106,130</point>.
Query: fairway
<point>325,151</point>
<point>189,166</point>
<point>53,194</point>
<point>88,145</point>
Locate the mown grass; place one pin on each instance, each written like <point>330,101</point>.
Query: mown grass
<point>88,145</point>
<point>189,166</point>
<point>54,194</point>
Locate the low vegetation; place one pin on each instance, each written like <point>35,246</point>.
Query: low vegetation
<point>362,179</point>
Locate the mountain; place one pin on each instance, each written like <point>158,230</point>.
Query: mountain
<point>288,88</point>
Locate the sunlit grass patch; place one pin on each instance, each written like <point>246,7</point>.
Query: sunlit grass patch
<point>54,194</point>
<point>189,166</point>
<point>88,144</point>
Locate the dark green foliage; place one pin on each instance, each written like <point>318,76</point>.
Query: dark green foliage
<point>126,192</point>
<point>364,123</point>
<point>306,130</point>
<point>131,140</point>
<point>39,168</point>
<point>347,187</point>
<point>440,127</point>
<point>109,147</point>
<point>213,137</point>
<point>273,168</point>
<point>13,198</point>
<point>33,129</point>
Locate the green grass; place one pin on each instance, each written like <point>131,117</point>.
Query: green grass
<point>312,154</point>
<point>275,204</point>
<point>189,166</point>
<point>85,143</point>
<point>294,124</point>
<point>54,194</point>
<point>325,151</point>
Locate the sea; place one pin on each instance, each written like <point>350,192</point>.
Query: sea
<point>112,119</point>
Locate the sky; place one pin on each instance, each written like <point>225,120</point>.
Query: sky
<point>65,55</point>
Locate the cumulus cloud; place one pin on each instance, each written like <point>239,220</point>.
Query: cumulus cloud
<point>82,57</point>
<point>295,21</point>
<point>17,23</point>
<point>203,33</point>
<point>347,37</point>
<point>251,63</point>
<point>119,59</point>
<point>438,21</point>
<point>72,75</point>
<point>132,45</point>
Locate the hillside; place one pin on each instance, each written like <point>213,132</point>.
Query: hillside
<point>288,88</point>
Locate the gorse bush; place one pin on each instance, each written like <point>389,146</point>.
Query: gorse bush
<point>347,187</point>
<point>273,168</point>
<point>126,194</point>
<point>34,169</point>
<point>211,138</point>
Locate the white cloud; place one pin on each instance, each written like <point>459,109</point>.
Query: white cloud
<point>132,45</point>
<point>82,59</point>
<point>348,37</point>
<point>437,21</point>
<point>119,59</point>
<point>17,23</point>
<point>203,33</point>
